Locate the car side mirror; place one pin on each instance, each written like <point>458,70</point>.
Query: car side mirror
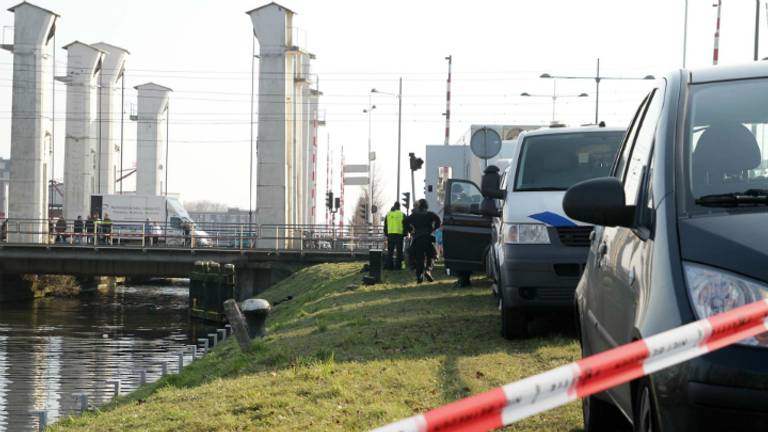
<point>599,201</point>
<point>490,183</point>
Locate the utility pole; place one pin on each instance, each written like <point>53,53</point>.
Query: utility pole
<point>757,27</point>
<point>685,32</point>
<point>716,52</point>
<point>448,104</point>
<point>399,132</point>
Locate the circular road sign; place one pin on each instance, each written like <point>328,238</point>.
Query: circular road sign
<point>485,143</point>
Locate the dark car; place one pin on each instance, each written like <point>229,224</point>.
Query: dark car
<point>685,236</point>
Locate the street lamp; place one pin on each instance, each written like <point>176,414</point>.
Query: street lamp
<point>368,111</point>
<point>554,97</point>
<point>597,79</point>
<point>399,97</point>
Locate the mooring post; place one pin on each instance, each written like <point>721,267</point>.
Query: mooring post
<point>42,420</point>
<point>256,312</point>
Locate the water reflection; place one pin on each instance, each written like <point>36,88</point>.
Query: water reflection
<point>53,348</point>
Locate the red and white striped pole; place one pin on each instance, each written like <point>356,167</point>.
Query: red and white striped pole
<point>448,103</point>
<point>328,176</point>
<point>716,53</point>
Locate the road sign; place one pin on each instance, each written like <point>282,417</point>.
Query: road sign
<point>356,181</point>
<point>355,168</point>
<point>485,143</point>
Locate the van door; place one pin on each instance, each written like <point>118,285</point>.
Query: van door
<point>466,232</point>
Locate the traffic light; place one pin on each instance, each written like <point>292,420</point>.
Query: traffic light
<point>364,211</point>
<point>406,200</point>
<point>329,200</point>
<point>337,203</point>
<point>416,163</point>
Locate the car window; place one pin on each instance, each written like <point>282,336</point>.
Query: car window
<point>726,147</point>
<point>558,161</point>
<point>629,140</point>
<point>465,197</point>
<point>641,151</point>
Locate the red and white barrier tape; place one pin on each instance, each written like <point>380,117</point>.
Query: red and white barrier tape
<point>512,402</point>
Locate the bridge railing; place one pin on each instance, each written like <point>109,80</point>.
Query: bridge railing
<point>133,234</point>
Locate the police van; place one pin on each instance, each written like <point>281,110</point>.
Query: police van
<point>515,229</point>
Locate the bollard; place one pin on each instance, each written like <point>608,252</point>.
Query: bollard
<point>42,420</point>
<point>181,361</point>
<point>82,398</point>
<point>142,377</point>
<point>222,334</point>
<point>375,263</point>
<point>204,342</point>
<point>214,338</point>
<point>256,312</point>
<point>228,328</point>
<point>116,388</point>
<point>163,369</point>
<point>239,324</point>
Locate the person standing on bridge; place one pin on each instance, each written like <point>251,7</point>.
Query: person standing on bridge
<point>394,229</point>
<point>78,229</point>
<point>106,229</point>
<point>421,224</point>
<point>89,230</point>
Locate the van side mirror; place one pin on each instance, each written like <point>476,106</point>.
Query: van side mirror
<point>490,185</point>
<point>488,208</point>
<point>599,201</point>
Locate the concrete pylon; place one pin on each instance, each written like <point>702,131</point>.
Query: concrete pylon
<point>111,111</point>
<point>151,138</point>
<point>81,144</point>
<point>31,124</point>
<point>283,133</point>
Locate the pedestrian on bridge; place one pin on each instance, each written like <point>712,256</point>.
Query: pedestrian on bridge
<point>106,229</point>
<point>61,228</point>
<point>394,229</point>
<point>78,229</point>
<point>421,224</point>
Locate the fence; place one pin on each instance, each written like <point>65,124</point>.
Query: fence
<point>203,235</point>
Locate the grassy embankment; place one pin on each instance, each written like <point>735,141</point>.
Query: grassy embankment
<point>339,358</point>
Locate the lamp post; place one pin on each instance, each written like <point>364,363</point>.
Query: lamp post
<point>254,56</point>
<point>554,98</point>
<point>597,79</point>
<point>399,97</point>
<point>369,111</point>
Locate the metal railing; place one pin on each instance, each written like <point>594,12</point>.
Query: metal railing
<point>205,235</point>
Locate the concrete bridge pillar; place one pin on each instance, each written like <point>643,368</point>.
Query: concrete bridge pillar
<point>251,281</point>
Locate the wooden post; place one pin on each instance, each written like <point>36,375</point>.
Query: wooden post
<point>239,326</point>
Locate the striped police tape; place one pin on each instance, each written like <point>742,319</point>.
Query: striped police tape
<point>512,402</point>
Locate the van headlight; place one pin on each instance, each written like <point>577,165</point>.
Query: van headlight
<point>527,233</point>
<point>713,291</point>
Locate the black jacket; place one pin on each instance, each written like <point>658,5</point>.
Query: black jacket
<point>422,223</point>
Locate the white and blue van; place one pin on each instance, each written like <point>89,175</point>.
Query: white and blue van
<point>518,233</point>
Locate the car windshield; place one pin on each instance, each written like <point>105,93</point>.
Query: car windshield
<point>726,162</point>
<point>558,161</point>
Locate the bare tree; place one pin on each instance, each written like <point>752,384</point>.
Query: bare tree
<point>205,206</point>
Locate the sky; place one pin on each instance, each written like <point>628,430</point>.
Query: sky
<point>202,50</point>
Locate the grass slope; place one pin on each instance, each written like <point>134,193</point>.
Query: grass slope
<point>341,358</point>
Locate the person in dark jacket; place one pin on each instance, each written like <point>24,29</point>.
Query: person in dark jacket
<point>90,223</point>
<point>78,229</point>
<point>421,224</point>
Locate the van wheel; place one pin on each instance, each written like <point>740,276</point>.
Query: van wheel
<point>514,322</point>
<point>602,416</point>
<point>643,413</point>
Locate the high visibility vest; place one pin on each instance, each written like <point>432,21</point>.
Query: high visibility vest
<point>395,222</point>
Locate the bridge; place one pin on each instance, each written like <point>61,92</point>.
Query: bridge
<point>135,249</point>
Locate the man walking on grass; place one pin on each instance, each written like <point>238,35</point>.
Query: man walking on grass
<point>394,230</point>
<point>421,224</point>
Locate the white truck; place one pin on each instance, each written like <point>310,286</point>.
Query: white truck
<point>136,217</point>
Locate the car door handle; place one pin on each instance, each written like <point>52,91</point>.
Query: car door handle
<point>603,249</point>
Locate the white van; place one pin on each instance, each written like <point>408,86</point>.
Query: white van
<point>519,233</point>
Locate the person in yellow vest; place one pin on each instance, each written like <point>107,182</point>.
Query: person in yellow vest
<point>394,229</point>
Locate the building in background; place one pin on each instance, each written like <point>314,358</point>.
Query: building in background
<point>151,138</point>
<point>232,216</point>
<point>5,181</point>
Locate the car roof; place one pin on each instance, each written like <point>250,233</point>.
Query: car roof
<point>566,130</point>
<point>725,73</point>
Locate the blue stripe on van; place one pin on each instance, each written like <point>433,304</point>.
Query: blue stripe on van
<point>553,219</point>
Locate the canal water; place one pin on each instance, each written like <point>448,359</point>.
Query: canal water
<point>54,348</point>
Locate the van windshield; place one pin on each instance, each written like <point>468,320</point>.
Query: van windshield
<point>174,206</point>
<point>558,161</point>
